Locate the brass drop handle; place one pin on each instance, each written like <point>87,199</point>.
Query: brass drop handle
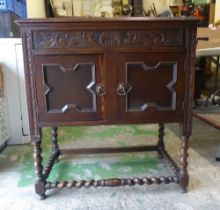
<point>100,90</point>
<point>123,88</point>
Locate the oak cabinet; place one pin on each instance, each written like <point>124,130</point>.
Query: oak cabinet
<point>99,71</point>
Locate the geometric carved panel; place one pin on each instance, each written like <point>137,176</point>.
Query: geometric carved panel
<point>76,93</point>
<point>152,86</point>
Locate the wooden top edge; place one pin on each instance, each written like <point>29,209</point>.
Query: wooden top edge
<point>98,19</point>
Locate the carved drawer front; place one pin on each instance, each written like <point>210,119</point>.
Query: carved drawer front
<point>146,38</point>
<point>70,88</point>
<point>151,86</point>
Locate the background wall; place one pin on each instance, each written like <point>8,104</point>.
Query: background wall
<point>35,9</point>
<point>201,1</point>
<point>158,4</point>
<point>217,12</point>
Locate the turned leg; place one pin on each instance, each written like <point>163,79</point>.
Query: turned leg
<point>55,146</point>
<point>183,174</point>
<point>40,182</point>
<point>55,152</point>
<point>218,154</point>
<point>160,144</point>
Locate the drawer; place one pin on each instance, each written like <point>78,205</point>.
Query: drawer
<point>145,38</point>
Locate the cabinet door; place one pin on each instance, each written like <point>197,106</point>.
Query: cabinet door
<point>70,88</point>
<point>150,87</point>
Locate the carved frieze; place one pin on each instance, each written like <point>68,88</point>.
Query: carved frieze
<point>108,39</point>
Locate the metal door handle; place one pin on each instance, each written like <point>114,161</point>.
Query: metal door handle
<point>123,88</point>
<point>100,90</point>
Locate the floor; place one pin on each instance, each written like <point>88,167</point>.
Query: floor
<point>17,172</point>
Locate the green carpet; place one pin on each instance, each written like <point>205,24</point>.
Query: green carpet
<point>91,166</point>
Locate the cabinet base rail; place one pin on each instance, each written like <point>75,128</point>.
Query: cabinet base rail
<point>180,175</point>
<point>115,182</point>
<point>108,150</point>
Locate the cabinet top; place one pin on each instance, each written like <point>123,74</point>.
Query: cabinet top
<point>103,20</point>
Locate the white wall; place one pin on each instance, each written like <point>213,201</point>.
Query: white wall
<point>4,128</point>
<point>12,59</point>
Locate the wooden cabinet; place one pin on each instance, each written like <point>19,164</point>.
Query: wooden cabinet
<point>100,71</point>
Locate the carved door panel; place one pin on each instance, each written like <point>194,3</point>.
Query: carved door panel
<point>70,88</point>
<point>151,87</point>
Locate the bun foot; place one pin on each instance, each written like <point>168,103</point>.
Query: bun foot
<point>43,197</point>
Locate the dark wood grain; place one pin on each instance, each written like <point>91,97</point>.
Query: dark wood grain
<point>113,182</point>
<point>144,68</point>
<point>107,150</point>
